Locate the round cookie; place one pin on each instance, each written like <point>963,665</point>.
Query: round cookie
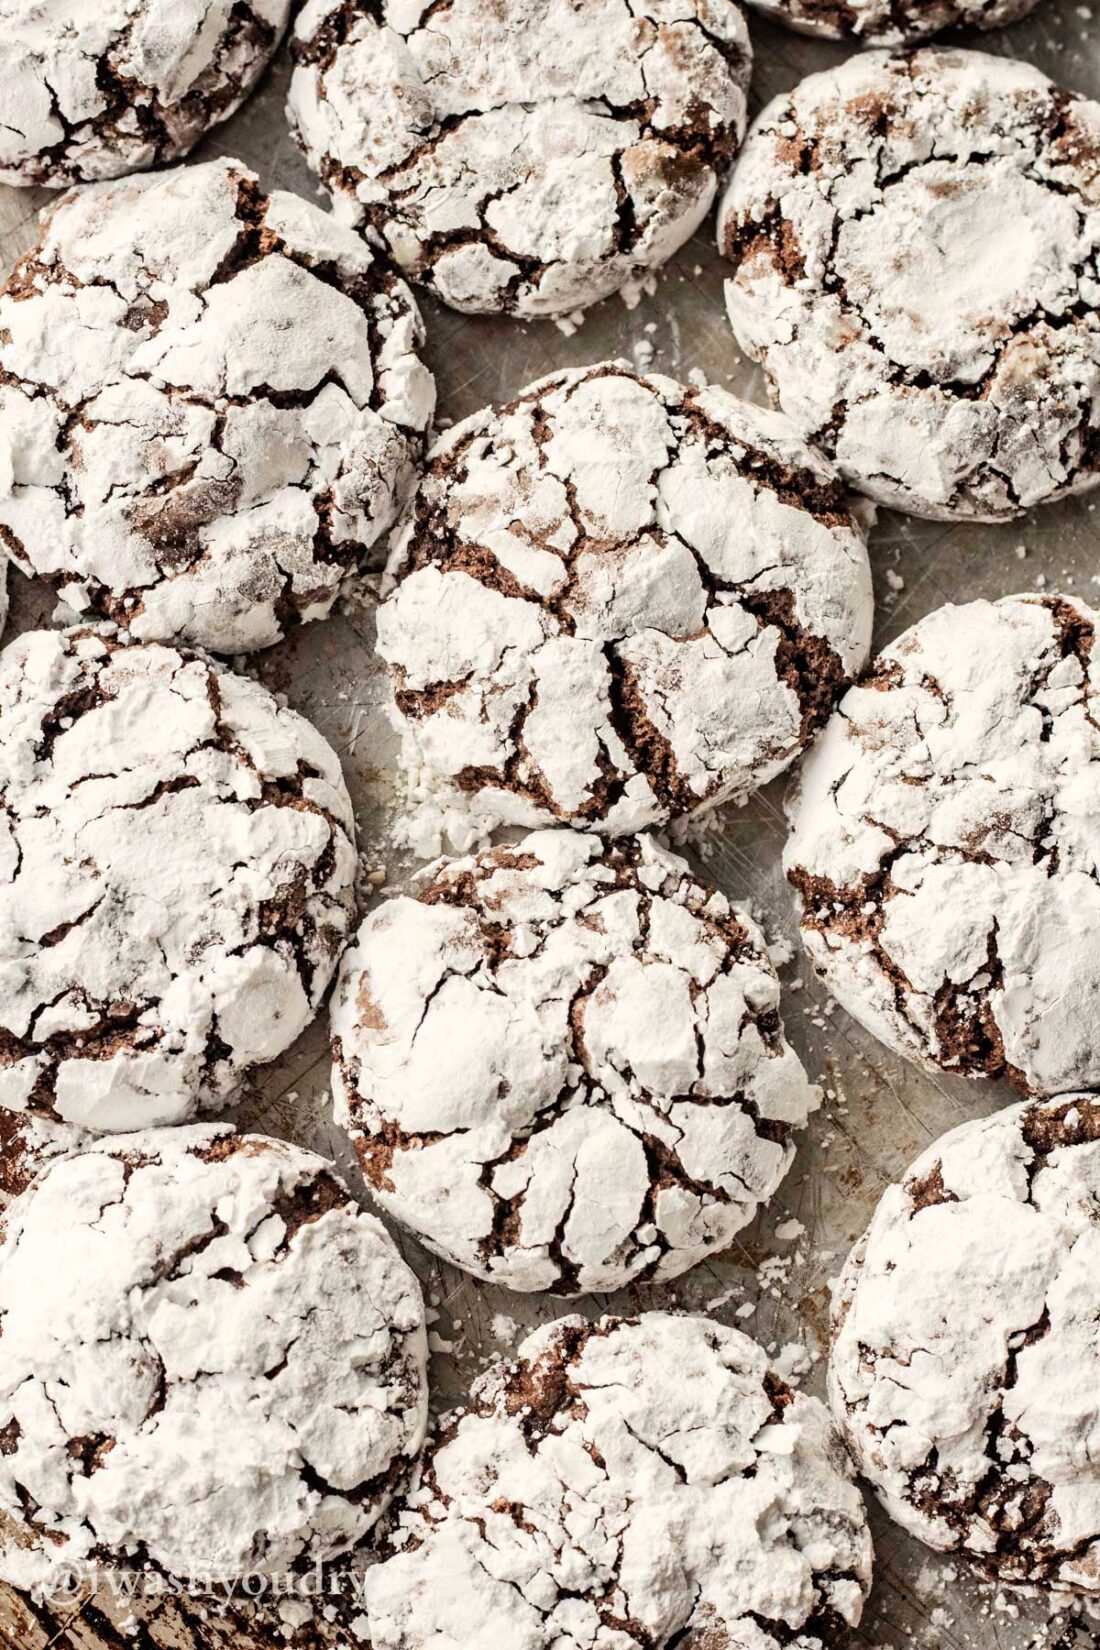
<point>640,1483</point>
<point>913,240</point>
<point>176,870</point>
<point>211,1355</point>
<point>890,22</point>
<point>95,88</point>
<point>965,1371</point>
<point>529,157</point>
<point>211,405</point>
<point>945,837</point>
<point>618,599</point>
<point>563,1065</point>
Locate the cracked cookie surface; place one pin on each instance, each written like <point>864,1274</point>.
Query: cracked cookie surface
<point>211,405</point>
<point>616,600</point>
<point>914,241</point>
<point>645,1483</point>
<point>28,1142</point>
<point>531,156</point>
<point>95,88</point>
<point>964,1365</point>
<point>211,1358</point>
<point>176,871</point>
<point>890,22</point>
<point>962,777</point>
<point>563,1065</point>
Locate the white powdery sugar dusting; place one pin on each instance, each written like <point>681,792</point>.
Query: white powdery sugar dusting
<point>914,248</point>
<point>945,836</point>
<point>626,1484</point>
<point>964,1365</point>
<point>212,405</point>
<point>617,600</point>
<point>29,1142</point>
<point>209,1351</point>
<point>563,1065</point>
<point>530,158</point>
<point>176,871</point>
<point>891,22</point>
<point>95,88</point>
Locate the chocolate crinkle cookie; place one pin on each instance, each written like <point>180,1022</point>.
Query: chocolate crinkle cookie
<point>891,22</point>
<point>212,1361</point>
<point>965,1372</point>
<point>945,835</point>
<point>176,870</point>
<point>211,405</point>
<point>913,240</point>
<point>617,600</point>
<point>528,156</point>
<point>563,1065</point>
<point>629,1483</point>
<point>95,88</point>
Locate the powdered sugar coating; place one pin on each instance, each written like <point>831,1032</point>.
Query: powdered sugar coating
<point>629,1483</point>
<point>963,777</point>
<point>95,88</point>
<point>28,1142</point>
<point>616,600</point>
<point>176,869</point>
<point>966,1354</point>
<point>914,241</point>
<point>209,1351</point>
<point>563,1064</point>
<point>891,22</point>
<point>211,405</point>
<point>529,157</point>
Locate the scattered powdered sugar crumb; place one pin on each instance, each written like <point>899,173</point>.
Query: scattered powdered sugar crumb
<point>792,1362</point>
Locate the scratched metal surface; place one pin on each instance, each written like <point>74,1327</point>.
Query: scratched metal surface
<point>879,1112</point>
